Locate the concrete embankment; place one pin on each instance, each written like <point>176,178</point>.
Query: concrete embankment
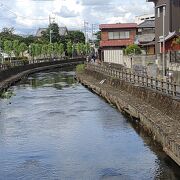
<point>157,113</point>
<point>12,75</point>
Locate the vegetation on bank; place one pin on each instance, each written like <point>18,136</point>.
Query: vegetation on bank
<point>80,68</point>
<point>18,47</point>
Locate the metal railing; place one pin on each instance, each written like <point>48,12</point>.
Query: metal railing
<point>15,63</point>
<point>166,86</point>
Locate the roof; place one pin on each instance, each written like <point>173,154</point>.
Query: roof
<point>116,43</point>
<point>39,32</point>
<point>147,44</point>
<point>62,31</point>
<point>118,26</point>
<point>169,36</point>
<point>146,37</point>
<point>147,24</point>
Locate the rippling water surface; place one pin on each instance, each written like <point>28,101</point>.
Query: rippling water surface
<point>54,128</point>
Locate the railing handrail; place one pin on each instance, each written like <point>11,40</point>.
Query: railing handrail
<point>167,86</point>
<point>15,63</point>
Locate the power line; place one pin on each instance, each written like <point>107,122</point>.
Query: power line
<point>25,17</point>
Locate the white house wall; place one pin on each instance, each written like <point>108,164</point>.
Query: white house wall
<point>113,56</point>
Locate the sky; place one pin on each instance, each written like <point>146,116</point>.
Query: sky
<point>26,16</point>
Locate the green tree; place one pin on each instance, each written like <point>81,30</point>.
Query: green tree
<point>69,48</point>
<point>8,47</point>
<point>86,49</point>
<point>22,48</point>
<point>16,49</point>
<point>178,40</point>
<point>38,48</point>
<point>50,50</point>
<point>133,49</point>
<point>60,49</point>
<point>32,50</point>
<point>44,50</point>
<point>98,38</point>
<point>55,37</point>
<point>75,37</point>
<point>30,39</point>
<point>7,30</point>
<point>56,49</point>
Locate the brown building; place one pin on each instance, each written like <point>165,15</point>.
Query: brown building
<point>146,36</point>
<point>115,37</point>
<point>172,19</point>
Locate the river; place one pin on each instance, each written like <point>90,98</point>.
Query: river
<point>53,128</point>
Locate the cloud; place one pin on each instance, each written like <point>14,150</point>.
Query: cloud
<point>66,13</point>
<point>28,15</point>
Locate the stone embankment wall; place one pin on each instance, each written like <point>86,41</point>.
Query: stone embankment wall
<point>158,113</point>
<point>12,75</point>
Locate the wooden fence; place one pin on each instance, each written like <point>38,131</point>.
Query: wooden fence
<point>166,86</point>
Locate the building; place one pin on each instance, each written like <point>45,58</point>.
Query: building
<point>142,18</point>
<point>146,37</point>
<point>172,47</point>
<point>40,31</point>
<point>62,31</point>
<point>171,22</point>
<point>114,38</point>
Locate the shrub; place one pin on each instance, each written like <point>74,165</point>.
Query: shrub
<point>80,68</point>
<point>133,49</point>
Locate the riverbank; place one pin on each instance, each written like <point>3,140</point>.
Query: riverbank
<point>157,113</point>
<point>10,76</point>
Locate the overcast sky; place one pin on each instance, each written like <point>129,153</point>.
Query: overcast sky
<point>28,15</point>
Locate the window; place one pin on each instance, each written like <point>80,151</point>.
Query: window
<point>119,35</point>
<point>110,34</point>
<point>116,35</point>
<point>124,35</point>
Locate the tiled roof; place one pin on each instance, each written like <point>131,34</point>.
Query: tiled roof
<point>116,43</point>
<point>62,31</point>
<point>169,36</point>
<point>146,37</point>
<point>118,26</point>
<point>147,24</point>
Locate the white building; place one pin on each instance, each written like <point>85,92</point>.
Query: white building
<point>142,18</point>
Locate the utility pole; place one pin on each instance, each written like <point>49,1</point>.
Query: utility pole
<point>94,30</point>
<point>86,31</point>
<point>164,63</point>
<point>50,31</point>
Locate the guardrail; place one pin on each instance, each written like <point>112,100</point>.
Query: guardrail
<point>15,63</point>
<point>166,86</point>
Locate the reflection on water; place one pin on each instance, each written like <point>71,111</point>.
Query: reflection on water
<point>53,128</point>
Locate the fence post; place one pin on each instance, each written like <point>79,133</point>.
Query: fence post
<point>162,83</point>
<point>147,81</point>
<point>174,89</point>
<point>167,85</point>
<point>152,85</point>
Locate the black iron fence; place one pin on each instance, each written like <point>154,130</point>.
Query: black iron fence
<point>167,86</point>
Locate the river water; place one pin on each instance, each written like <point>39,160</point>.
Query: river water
<point>54,128</point>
